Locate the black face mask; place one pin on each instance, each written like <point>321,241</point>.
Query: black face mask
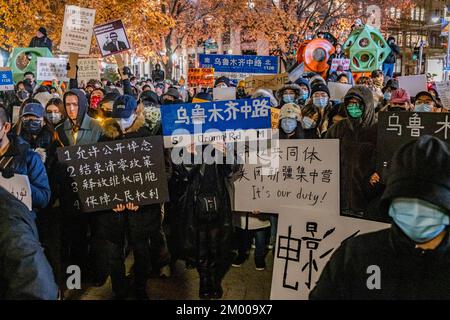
<point>22,95</point>
<point>32,126</point>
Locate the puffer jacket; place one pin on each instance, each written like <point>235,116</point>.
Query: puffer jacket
<point>358,142</point>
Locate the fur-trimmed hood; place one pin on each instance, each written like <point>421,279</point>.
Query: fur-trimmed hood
<point>111,128</point>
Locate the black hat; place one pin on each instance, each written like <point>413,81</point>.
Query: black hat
<point>420,169</point>
<point>224,80</point>
<point>391,83</point>
<point>204,96</point>
<point>43,31</point>
<point>319,87</point>
<point>173,92</point>
<point>426,93</point>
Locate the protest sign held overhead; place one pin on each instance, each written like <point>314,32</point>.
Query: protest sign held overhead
<point>77,29</point>
<point>443,90</point>
<point>88,69</point>
<point>413,84</point>
<point>338,90</point>
<point>207,122</point>
<point>201,77</point>
<point>104,175</point>
<point>273,82</point>
<point>49,69</point>
<point>240,64</point>
<point>112,38</point>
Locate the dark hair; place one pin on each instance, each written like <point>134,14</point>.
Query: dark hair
<point>377,73</point>
<point>342,75</point>
<point>42,89</point>
<point>364,81</point>
<point>145,87</point>
<point>132,78</point>
<point>310,110</point>
<point>57,102</point>
<point>113,33</point>
<point>28,73</point>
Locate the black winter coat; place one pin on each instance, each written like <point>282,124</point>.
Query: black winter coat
<point>358,143</point>
<point>406,272</point>
<point>24,271</point>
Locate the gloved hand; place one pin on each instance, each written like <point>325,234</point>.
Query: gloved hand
<point>42,153</point>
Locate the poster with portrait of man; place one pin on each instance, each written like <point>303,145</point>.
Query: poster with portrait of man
<point>112,38</point>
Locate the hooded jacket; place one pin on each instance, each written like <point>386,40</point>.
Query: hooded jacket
<point>89,131</point>
<point>407,272</point>
<point>25,271</point>
<point>358,142</point>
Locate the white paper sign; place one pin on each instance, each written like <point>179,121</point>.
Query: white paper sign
<point>443,89</point>
<point>19,187</point>
<point>306,241</point>
<point>413,84</point>
<point>222,94</point>
<point>77,29</point>
<point>374,19</point>
<point>88,69</point>
<point>303,174</point>
<point>51,68</point>
<point>338,90</point>
<point>15,114</point>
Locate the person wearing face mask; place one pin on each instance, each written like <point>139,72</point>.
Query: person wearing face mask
<point>305,90</point>
<point>95,98</point>
<point>413,253</point>
<point>290,122</point>
<point>358,137</point>
<point>55,111</point>
<point>320,98</point>
<point>391,85</point>
<point>17,157</point>
<point>399,102</point>
<point>222,82</point>
<point>289,93</point>
<point>311,118</point>
<point>378,79</point>
<point>140,224</point>
<point>240,91</point>
<point>40,134</point>
<point>426,102</point>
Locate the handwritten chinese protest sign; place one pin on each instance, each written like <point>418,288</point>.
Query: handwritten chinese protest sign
<point>19,187</point>
<point>6,79</point>
<point>203,77</point>
<point>306,240</point>
<point>398,128</point>
<point>88,69</point>
<point>111,38</point>
<point>77,29</point>
<point>106,174</point>
<point>240,64</point>
<point>228,121</point>
<point>51,68</point>
<point>274,82</point>
<point>303,188</point>
<point>443,89</point>
<point>303,174</point>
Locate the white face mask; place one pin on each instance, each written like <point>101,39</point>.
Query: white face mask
<point>126,123</point>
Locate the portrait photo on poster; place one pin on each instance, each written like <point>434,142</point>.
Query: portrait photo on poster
<point>111,38</point>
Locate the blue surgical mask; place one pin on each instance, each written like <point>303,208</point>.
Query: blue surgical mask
<point>421,221</point>
<point>320,102</point>
<point>305,95</point>
<point>288,98</point>
<point>308,123</point>
<point>387,96</point>
<point>288,125</point>
<point>423,107</point>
